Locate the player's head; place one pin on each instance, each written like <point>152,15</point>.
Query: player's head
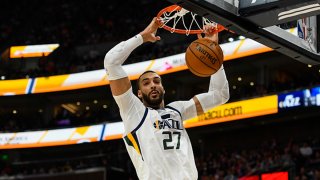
<point>150,89</point>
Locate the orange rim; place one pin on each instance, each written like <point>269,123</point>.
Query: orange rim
<point>173,8</point>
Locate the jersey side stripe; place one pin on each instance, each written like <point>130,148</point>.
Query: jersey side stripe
<point>174,110</point>
<point>142,120</point>
<point>134,143</point>
<point>132,140</point>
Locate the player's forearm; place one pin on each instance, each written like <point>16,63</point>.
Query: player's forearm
<point>218,81</point>
<point>218,92</point>
<point>118,54</point>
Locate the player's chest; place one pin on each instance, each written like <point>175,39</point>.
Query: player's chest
<point>166,119</point>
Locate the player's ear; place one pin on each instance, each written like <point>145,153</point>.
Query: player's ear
<point>139,94</point>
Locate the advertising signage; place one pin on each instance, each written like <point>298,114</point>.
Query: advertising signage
<point>110,131</point>
<point>301,98</point>
<point>231,111</point>
<point>312,97</point>
<point>54,137</point>
<point>291,100</point>
<point>235,111</point>
<point>28,51</point>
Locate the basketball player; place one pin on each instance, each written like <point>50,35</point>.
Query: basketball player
<point>155,138</point>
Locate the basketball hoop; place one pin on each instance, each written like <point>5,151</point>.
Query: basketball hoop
<point>179,20</point>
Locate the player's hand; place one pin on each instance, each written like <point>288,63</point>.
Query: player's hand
<point>149,33</point>
<point>210,32</point>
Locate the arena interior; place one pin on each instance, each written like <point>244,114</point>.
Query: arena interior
<point>269,128</point>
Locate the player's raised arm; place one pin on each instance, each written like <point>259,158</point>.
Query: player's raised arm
<point>119,81</point>
<point>218,92</point>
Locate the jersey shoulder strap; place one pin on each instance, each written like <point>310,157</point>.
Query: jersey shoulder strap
<point>174,109</point>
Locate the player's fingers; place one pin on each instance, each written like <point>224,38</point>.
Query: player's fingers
<point>155,39</point>
<point>215,37</point>
<point>155,23</point>
<point>208,29</point>
<point>158,21</point>
<point>211,30</point>
<point>199,36</point>
<point>155,31</point>
<point>152,26</point>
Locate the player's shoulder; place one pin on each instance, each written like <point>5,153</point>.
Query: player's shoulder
<point>182,106</point>
<point>176,105</point>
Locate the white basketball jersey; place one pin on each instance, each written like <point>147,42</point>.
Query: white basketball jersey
<point>159,145</point>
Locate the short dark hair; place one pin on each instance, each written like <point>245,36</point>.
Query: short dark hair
<point>138,82</point>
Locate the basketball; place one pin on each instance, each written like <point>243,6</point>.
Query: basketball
<point>204,57</point>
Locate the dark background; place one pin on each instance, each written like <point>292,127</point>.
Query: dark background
<point>86,30</point>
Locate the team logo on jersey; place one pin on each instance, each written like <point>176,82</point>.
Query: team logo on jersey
<point>167,122</point>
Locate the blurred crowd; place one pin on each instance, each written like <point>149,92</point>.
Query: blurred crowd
<point>300,159</point>
<point>86,25</point>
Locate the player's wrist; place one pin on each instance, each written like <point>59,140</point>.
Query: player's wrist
<point>137,40</point>
<point>144,37</point>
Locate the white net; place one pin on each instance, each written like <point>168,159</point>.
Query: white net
<point>180,20</point>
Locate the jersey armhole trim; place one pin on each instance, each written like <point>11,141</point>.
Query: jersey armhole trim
<point>175,110</point>
<point>142,120</point>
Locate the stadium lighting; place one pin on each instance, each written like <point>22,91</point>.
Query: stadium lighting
<point>239,79</point>
<point>234,87</point>
<point>14,111</point>
<point>104,106</point>
<point>241,37</point>
<point>27,51</point>
<point>251,83</point>
<point>95,101</point>
<point>78,103</point>
<point>230,39</point>
<point>3,77</point>
<point>309,65</point>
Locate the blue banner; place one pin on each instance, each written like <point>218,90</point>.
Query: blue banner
<point>312,97</point>
<point>291,100</point>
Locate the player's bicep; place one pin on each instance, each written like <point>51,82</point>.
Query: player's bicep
<point>120,86</point>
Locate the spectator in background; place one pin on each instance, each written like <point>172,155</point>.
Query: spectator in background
<point>286,157</point>
<point>306,150</point>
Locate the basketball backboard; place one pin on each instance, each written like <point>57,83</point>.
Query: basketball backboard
<point>260,20</point>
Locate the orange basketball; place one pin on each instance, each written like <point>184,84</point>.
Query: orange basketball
<point>204,57</point>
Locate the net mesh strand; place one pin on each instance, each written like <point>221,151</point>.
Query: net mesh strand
<point>178,16</point>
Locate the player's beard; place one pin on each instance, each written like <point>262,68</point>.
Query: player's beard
<point>153,102</point>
